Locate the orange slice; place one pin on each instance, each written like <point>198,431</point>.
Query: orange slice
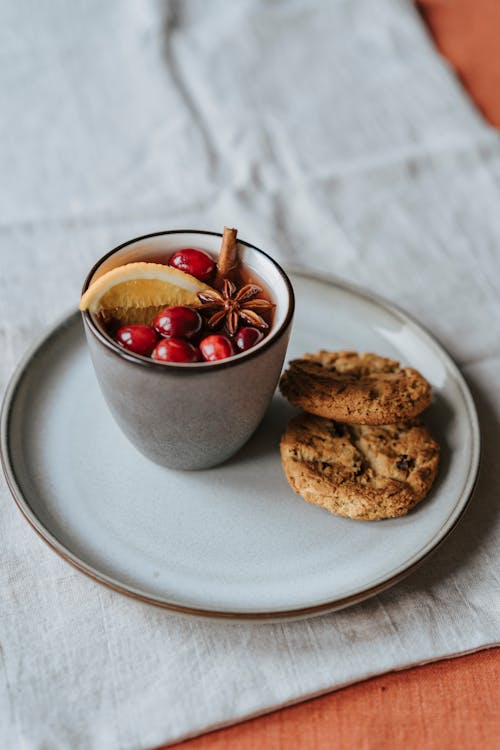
<point>135,292</point>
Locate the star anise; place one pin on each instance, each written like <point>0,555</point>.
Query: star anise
<point>231,304</point>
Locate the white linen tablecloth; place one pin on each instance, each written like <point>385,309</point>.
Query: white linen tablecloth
<point>330,133</point>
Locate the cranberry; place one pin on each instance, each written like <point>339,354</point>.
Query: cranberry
<point>137,338</point>
<point>195,262</point>
<point>248,337</point>
<point>175,350</point>
<point>180,322</point>
<point>216,347</point>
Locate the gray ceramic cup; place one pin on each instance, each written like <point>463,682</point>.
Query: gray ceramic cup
<point>190,416</point>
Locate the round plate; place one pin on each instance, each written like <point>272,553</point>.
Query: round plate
<point>234,541</point>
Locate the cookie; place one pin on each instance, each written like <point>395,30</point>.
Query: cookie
<point>355,388</point>
<point>359,471</point>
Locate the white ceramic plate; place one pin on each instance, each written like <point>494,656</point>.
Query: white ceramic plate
<point>234,541</point>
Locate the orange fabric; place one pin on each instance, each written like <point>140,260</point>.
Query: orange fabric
<point>467,32</point>
<point>449,705</point>
<point>452,704</point>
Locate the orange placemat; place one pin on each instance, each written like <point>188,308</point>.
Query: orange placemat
<point>467,32</point>
<point>448,705</point>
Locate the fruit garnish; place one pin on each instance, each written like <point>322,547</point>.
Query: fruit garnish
<point>138,339</point>
<point>136,292</point>
<point>175,350</point>
<point>197,263</point>
<point>178,322</point>
<point>216,347</point>
<point>247,337</point>
<point>231,304</point>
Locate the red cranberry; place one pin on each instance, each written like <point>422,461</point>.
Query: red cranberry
<point>180,322</point>
<point>195,262</point>
<point>137,338</point>
<point>216,347</point>
<point>175,350</point>
<point>248,337</point>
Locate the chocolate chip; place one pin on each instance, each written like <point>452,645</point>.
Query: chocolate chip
<point>373,394</point>
<point>405,463</point>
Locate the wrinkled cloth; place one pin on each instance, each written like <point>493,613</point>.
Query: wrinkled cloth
<point>331,134</point>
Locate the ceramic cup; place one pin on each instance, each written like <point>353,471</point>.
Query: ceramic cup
<point>190,416</point>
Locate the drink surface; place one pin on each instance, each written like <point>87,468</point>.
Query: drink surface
<point>237,315</point>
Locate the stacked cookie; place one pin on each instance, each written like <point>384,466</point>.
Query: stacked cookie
<point>359,449</point>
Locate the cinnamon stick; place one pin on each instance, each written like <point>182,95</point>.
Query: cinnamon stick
<point>228,256</point>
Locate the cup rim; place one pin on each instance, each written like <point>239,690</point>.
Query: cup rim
<point>188,367</point>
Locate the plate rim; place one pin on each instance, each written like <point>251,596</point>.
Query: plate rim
<point>462,503</point>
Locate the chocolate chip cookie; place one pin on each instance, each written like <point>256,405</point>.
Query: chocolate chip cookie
<point>359,471</point>
<point>355,388</point>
